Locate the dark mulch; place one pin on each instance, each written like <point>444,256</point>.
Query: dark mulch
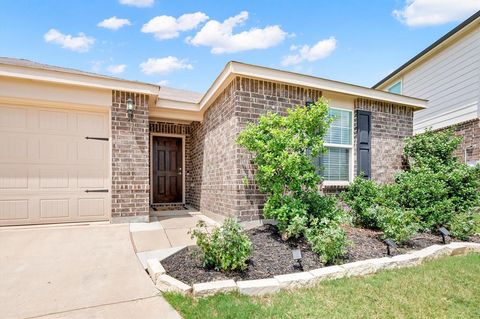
<point>272,256</point>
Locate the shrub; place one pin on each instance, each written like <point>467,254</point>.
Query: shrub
<point>396,223</point>
<point>360,196</point>
<point>226,248</point>
<point>328,239</point>
<point>437,186</point>
<point>464,225</point>
<point>284,147</point>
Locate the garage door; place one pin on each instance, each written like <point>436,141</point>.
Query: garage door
<point>49,171</point>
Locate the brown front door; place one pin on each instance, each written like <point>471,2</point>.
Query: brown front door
<point>167,169</point>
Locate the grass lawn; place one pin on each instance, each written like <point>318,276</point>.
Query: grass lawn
<point>444,288</point>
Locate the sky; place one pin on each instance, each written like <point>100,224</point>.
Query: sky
<point>185,44</point>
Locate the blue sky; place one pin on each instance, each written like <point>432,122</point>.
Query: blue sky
<point>185,44</point>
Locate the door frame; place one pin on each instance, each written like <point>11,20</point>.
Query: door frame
<point>184,171</point>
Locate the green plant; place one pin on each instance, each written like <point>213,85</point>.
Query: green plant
<point>226,248</point>
<point>283,148</point>
<point>328,239</point>
<point>396,223</point>
<point>464,225</point>
<point>360,196</point>
<point>437,186</point>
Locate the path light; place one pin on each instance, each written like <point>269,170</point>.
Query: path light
<point>444,232</point>
<point>390,245</point>
<point>130,108</point>
<point>297,256</point>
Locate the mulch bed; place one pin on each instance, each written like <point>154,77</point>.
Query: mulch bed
<point>272,256</point>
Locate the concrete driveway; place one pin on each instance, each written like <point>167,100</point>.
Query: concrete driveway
<point>88,271</point>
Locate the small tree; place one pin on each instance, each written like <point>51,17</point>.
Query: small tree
<point>284,148</point>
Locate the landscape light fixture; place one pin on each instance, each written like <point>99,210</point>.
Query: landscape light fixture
<point>390,245</point>
<point>130,109</point>
<point>297,256</point>
<point>444,233</point>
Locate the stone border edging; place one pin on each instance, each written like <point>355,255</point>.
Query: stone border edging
<point>260,287</point>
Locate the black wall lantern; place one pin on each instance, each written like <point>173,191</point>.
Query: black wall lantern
<point>130,109</point>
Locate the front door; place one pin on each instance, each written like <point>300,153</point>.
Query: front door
<point>167,169</point>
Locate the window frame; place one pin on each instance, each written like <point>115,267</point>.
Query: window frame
<point>345,146</point>
<point>395,83</point>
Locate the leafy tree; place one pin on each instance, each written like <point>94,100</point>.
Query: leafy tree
<point>283,148</point>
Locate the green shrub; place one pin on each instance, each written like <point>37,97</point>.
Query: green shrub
<point>464,225</point>
<point>437,186</point>
<point>360,196</point>
<point>283,148</point>
<point>396,223</point>
<point>328,239</point>
<point>226,248</point>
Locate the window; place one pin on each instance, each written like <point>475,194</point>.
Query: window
<point>396,88</point>
<point>335,164</point>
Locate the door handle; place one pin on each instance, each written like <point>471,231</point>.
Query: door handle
<point>96,191</point>
<point>179,171</point>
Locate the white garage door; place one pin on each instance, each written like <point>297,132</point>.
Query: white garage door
<point>49,171</point>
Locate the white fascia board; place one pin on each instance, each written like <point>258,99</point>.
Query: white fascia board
<point>73,79</point>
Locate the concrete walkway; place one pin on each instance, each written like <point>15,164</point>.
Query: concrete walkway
<point>88,271</point>
<point>166,233</point>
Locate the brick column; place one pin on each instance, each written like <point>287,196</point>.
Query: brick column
<point>130,159</point>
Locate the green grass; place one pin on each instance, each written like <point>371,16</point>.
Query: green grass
<point>444,288</point>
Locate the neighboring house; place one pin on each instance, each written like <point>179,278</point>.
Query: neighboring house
<point>447,74</point>
<point>70,152</point>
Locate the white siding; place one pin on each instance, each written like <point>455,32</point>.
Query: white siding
<point>450,80</point>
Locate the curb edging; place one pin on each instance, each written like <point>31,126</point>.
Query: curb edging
<point>264,286</point>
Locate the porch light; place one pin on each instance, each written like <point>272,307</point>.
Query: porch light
<point>130,108</point>
<point>444,233</point>
<point>390,245</point>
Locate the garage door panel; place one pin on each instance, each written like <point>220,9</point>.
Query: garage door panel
<point>13,177</point>
<point>53,149</point>
<point>53,121</point>
<point>13,147</point>
<point>54,178</point>
<point>91,206</point>
<point>46,165</point>
<point>92,150</point>
<point>13,118</point>
<point>89,124</point>
<point>15,209</point>
<point>92,178</point>
<point>55,208</point>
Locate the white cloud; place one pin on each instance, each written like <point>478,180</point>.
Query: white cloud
<point>163,82</point>
<point>138,3</point>
<point>113,23</point>
<point>116,68</point>
<point>164,65</point>
<point>418,13</point>
<point>80,43</point>
<point>320,50</point>
<point>168,27</point>
<point>220,37</point>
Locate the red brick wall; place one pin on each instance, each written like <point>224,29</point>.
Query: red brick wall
<point>390,124</point>
<point>130,158</point>
<point>470,130</point>
<point>252,99</point>
<point>212,182</point>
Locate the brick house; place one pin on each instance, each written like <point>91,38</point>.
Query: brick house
<point>72,151</point>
